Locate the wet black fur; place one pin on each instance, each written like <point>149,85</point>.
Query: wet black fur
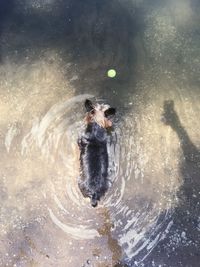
<point>93,181</point>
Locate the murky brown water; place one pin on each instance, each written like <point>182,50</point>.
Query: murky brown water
<point>54,55</point>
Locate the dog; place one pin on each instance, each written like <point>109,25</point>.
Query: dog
<point>93,180</point>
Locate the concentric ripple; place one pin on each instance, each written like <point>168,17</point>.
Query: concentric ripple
<point>136,201</point>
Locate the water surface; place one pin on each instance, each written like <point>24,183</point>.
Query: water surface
<point>54,55</point>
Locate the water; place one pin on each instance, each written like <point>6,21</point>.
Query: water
<point>54,55</point>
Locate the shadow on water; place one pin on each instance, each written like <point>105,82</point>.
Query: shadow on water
<point>181,246</point>
<point>106,230</point>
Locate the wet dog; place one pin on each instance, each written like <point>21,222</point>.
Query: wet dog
<point>93,181</point>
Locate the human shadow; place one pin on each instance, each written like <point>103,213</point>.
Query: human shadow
<point>181,246</point>
<point>189,162</point>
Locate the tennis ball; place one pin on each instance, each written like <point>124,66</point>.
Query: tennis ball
<point>111,73</point>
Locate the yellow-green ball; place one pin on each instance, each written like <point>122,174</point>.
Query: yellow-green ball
<point>111,73</point>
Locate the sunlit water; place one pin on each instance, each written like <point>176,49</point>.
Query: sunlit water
<point>45,77</point>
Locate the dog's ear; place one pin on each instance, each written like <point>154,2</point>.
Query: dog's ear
<point>109,112</point>
<point>88,105</point>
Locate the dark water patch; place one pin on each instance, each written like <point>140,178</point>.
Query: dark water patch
<point>90,36</point>
<point>6,8</point>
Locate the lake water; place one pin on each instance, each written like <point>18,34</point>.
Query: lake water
<point>53,55</point>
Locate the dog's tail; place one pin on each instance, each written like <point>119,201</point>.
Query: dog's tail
<point>94,201</point>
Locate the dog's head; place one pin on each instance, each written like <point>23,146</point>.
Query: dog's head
<point>99,113</point>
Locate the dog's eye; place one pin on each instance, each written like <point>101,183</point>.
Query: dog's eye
<point>92,112</point>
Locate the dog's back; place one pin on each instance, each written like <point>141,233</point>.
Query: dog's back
<point>94,162</point>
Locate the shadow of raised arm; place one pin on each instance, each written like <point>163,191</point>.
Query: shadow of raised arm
<point>170,117</point>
